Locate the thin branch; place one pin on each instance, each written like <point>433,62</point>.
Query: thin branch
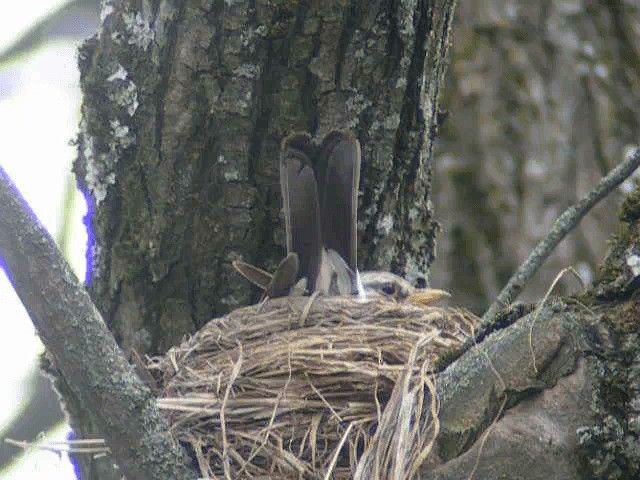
<point>562,226</point>
<point>87,447</point>
<point>82,347</point>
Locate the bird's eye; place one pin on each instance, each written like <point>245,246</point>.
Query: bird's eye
<point>421,282</point>
<point>389,289</point>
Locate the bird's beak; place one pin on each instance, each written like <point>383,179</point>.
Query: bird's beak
<point>426,296</point>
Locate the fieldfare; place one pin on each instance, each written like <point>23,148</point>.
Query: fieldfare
<point>319,185</point>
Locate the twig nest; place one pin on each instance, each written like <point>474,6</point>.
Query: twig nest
<point>299,386</point>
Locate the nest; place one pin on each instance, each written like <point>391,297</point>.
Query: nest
<point>310,388</point>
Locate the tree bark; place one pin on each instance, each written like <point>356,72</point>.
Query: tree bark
<point>185,105</point>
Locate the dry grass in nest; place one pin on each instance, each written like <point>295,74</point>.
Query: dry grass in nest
<point>334,391</point>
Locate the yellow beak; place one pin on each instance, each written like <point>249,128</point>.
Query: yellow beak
<point>426,296</point>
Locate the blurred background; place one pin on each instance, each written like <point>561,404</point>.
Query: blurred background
<point>543,98</point>
<point>39,110</point>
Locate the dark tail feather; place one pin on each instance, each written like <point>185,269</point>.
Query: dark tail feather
<point>339,170</point>
<point>301,206</point>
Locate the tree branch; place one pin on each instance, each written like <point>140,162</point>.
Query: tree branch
<point>82,347</point>
<point>562,226</point>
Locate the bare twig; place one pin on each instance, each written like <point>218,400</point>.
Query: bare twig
<point>77,447</point>
<point>562,226</point>
<point>82,347</point>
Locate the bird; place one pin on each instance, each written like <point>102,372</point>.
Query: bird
<point>319,187</point>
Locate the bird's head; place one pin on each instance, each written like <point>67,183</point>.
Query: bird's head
<point>385,283</point>
<point>390,285</point>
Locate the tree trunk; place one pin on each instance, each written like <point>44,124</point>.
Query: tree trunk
<point>185,106</point>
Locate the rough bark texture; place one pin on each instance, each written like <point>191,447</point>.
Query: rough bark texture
<point>543,99</point>
<point>185,105</point>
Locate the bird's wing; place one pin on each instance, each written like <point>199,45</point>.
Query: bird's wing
<point>285,276</point>
<point>301,206</point>
<point>338,167</point>
<point>277,285</point>
<point>255,275</point>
